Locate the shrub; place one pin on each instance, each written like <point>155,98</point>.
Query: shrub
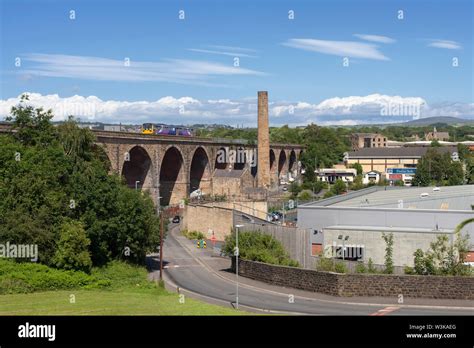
<point>360,268</point>
<point>327,264</point>
<point>340,267</point>
<point>119,274</point>
<point>256,246</point>
<point>328,194</point>
<point>25,277</point>
<point>305,195</point>
<point>193,234</point>
<point>370,266</point>
<point>16,277</point>
<point>72,250</point>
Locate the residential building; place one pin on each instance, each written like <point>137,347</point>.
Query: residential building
<point>330,175</point>
<point>367,140</point>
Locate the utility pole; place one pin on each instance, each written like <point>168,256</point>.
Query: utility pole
<point>161,245</point>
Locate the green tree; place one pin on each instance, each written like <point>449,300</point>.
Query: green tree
<point>358,167</point>
<point>440,169</point>
<point>72,251</point>
<point>48,174</point>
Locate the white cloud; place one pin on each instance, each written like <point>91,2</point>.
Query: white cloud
<point>375,38</point>
<point>448,44</point>
<point>184,71</point>
<point>224,53</point>
<point>339,48</point>
<point>352,110</point>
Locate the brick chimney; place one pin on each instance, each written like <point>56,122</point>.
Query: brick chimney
<point>263,154</point>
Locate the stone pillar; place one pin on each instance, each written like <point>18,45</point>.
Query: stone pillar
<point>263,154</point>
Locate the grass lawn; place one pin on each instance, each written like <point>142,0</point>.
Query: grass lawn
<point>107,302</point>
<point>116,289</point>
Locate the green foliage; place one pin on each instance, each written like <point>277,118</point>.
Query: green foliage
<point>305,195</point>
<point>30,277</point>
<point>340,267</point>
<point>314,186</point>
<point>370,266</point>
<point>357,184</point>
<point>295,189</point>
<point>26,277</point>
<point>326,264</point>
<point>60,173</point>
<point>388,238</point>
<point>328,194</point>
<point>361,268</point>
<point>256,246</point>
<point>338,187</point>
<point>324,148</point>
<point>119,274</point>
<point>358,167</point>
<point>439,169</point>
<point>398,183</point>
<point>192,234</point>
<point>443,258</point>
<point>73,248</point>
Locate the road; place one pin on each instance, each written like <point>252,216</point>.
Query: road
<point>205,277</point>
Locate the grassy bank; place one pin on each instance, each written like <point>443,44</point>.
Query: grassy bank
<point>103,302</point>
<point>117,289</point>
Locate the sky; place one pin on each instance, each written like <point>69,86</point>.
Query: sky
<point>200,61</point>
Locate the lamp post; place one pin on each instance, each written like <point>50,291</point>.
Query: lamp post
<point>236,253</point>
<point>161,215</point>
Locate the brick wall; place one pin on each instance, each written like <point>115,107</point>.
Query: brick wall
<point>359,284</point>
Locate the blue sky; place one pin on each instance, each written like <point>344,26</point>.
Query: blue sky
<point>185,68</point>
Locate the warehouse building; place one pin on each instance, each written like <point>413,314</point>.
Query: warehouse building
<point>382,158</point>
<point>355,222</point>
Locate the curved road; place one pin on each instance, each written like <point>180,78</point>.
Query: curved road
<point>191,269</point>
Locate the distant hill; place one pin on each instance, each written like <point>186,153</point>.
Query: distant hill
<point>438,119</point>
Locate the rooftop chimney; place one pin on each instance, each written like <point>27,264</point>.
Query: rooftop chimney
<point>263,155</point>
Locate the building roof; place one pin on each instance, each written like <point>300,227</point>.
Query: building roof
<point>447,198</point>
<point>337,170</point>
<point>396,152</point>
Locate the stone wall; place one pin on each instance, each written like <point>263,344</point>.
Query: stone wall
<point>411,286</point>
<point>218,216</point>
<point>203,218</point>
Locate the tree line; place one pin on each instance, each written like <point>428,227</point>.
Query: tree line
<point>56,192</point>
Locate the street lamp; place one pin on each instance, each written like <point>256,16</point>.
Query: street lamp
<point>160,214</point>
<point>236,254</point>
<point>136,184</point>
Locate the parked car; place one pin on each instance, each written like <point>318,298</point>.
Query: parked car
<point>176,219</point>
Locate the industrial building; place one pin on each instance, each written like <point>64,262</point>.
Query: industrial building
<point>382,158</point>
<point>356,221</point>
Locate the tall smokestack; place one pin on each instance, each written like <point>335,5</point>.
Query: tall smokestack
<point>263,155</point>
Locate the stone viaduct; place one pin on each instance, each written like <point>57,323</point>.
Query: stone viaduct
<point>172,167</point>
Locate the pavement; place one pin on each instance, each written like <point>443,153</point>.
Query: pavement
<point>203,274</point>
